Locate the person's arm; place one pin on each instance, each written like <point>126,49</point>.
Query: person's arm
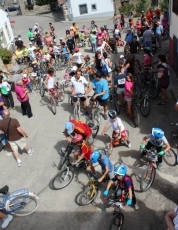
<point>45,82</point>
<point>22,132</point>
<point>104,175</point>
<point>23,95</point>
<point>167,147</point>
<point>1,103</point>
<point>109,184</point>
<point>99,94</point>
<point>130,193</point>
<point>105,129</point>
<point>89,89</point>
<point>79,159</point>
<point>67,136</point>
<point>72,90</point>
<point>169,219</point>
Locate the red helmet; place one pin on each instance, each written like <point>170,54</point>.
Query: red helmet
<point>76,49</point>
<point>77,138</point>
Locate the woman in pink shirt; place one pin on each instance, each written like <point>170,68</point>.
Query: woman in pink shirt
<point>22,95</point>
<point>128,93</point>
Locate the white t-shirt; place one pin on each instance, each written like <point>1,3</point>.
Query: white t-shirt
<point>78,58</point>
<point>157,142</point>
<point>56,49</point>
<point>31,50</point>
<point>47,57</point>
<point>105,62</point>
<point>6,85</point>
<point>50,83</point>
<point>100,49</point>
<point>175,220</point>
<point>79,85</point>
<point>116,124</point>
<point>103,44</point>
<point>116,32</point>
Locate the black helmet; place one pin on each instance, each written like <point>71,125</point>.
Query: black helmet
<point>30,28</point>
<point>112,114</point>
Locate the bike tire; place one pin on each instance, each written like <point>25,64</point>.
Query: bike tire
<point>154,91</point>
<point>53,105</point>
<point>61,95</point>
<point>149,169</point>
<point>65,175</point>
<point>136,117</point>
<point>42,91</point>
<point>89,193</point>
<point>21,206</point>
<point>117,107</point>
<point>117,221</point>
<point>113,66</point>
<point>170,160</point>
<point>145,107</point>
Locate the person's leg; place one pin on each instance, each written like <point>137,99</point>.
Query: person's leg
<point>7,101</point>
<point>11,99</point>
<point>76,155</point>
<point>24,112</point>
<point>6,219</point>
<point>28,109</point>
<point>129,106</point>
<point>2,215</point>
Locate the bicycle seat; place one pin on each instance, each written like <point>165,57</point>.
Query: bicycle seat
<point>4,190</point>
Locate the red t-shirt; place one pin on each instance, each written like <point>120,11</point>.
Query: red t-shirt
<point>81,128</point>
<point>86,150</point>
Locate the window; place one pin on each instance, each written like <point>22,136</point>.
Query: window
<point>83,9</point>
<point>175,6</point>
<point>7,29</point>
<point>93,7</point>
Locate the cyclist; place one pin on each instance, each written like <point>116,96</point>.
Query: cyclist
<point>106,165</point>
<point>84,150</point>
<point>119,131</point>
<point>49,81</point>
<point>65,51</point>
<point>156,139</point>
<point>77,57</point>
<point>78,127</point>
<point>30,35</point>
<point>124,185</point>
<point>78,84</point>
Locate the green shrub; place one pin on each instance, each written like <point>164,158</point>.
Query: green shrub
<point>126,8</point>
<point>142,5</point>
<point>5,55</point>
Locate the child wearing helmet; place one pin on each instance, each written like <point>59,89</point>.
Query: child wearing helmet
<point>77,57</point>
<point>119,131</point>
<point>84,149</point>
<point>105,163</point>
<point>124,185</point>
<point>156,139</point>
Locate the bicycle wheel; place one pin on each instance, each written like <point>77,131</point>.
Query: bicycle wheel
<point>154,90</point>
<point>61,95</point>
<point>42,91</point>
<point>113,66</point>
<point>117,107</point>
<point>53,105</point>
<point>170,157</point>
<point>147,178</point>
<point>145,107</point>
<point>21,206</point>
<point>62,179</point>
<point>136,117</point>
<point>117,221</point>
<point>88,196</point>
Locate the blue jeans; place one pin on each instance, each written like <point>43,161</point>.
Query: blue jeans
<point>93,46</point>
<point>148,44</point>
<point>29,87</point>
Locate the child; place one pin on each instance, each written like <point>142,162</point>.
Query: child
<point>82,36</point>
<point>65,51</point>
<point>78,57</point>
<point>86,62</point>
<point>26,82</point>
<point>128,93</point>
<point>85,30</point>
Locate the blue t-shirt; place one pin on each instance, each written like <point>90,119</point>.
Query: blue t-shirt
<point>159,30</point>
<point>100,86</point>
<point>129,37</point>
<point>119,80</point>
<point>106,162</point>
<point>64,50</point>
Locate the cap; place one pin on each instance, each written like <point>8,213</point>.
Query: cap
<point>69,127</point>
<point>60,38</point>
<point>30,43</point>
<point>121,56</point>
<point>24,75</point>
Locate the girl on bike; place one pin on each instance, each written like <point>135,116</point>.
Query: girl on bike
<point>49,82</point>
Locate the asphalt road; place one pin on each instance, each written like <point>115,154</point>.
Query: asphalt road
<point>59,209</point>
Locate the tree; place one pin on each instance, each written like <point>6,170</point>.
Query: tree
<point>142,5</point>
<point>44,2</point>
<point>126,8</point>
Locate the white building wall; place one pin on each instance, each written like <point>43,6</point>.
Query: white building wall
<point>173,25</point>
<point>6,32</point>
<point>104,8</point>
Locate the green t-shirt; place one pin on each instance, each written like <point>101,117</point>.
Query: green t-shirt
<point>30,34</point>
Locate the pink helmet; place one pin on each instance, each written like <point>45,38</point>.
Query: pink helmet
<point>77,138</point>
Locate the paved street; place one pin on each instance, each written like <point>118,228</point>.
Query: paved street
<point>59,209</point>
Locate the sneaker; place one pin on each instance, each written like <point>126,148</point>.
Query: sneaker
<point>159,165</point>
<point>31,150</point>
<point>87,113</point>
<point>105,116</point>
<point>6,221</point>
<point>128,144</point>
<point>136,206</point>
<point>19,163</point>
<point>33,116</point>
<point>9,154</point>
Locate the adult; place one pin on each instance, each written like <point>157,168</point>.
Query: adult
<point>172,219</point>
<point>73,127</point>
<point>70,44</point>
<point>147,38</point>
<point>76,31</point>
<point>97,61</point>
<point>135,46</point>
<point>93,40</point>
<point>22,95</point>
<point>30,35</point>
<point>48,39</point>
<point>6,92</point>
<point>18,43</point>
<point>129,36</point>
<point>159,31</point>
<point>15,135</point>
<point>31,51</point>
<point>78,84</point>
<point>156,139</point>
<point>38,41</point>
<point>101,94</point>
<point>106,67</point>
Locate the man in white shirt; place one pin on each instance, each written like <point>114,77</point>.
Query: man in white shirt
<point>78,84</point>
<point>31,51</point>
<point>78,57</point>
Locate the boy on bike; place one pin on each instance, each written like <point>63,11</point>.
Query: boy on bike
<point>105,163</point>
<point>157,140</point>
<point>119,131</point>
<point>124,185</point>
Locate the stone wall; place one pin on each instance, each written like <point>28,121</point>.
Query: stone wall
<point>36,9</point>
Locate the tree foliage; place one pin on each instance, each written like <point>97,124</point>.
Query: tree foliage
<point>164,4</point>
<point>142,5</point>
<point>44,2</point>
<point>5,55</point>
<point>126,8</point>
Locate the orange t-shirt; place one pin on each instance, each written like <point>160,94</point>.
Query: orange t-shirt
<point>81,128</point>
<point>86,150</point>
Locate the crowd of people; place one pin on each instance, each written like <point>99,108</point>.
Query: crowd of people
<point>152,23</point>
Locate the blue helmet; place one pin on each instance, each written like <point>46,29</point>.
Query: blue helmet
<point>121,170</point>
<point>157,133</point>
<point>95,156</point>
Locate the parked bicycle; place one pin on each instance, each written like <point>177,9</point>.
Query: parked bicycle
<point>20,202</point>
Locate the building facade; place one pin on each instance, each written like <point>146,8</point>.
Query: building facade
<point>6,32</point>
<point>173,39</point>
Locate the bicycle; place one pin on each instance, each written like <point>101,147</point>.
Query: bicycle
<point>20,202</point>
<point>145,105</point>
<point>77,109</point>
<point>135,112</point>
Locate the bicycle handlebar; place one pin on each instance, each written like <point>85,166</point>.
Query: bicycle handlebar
<point>172,123</point>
